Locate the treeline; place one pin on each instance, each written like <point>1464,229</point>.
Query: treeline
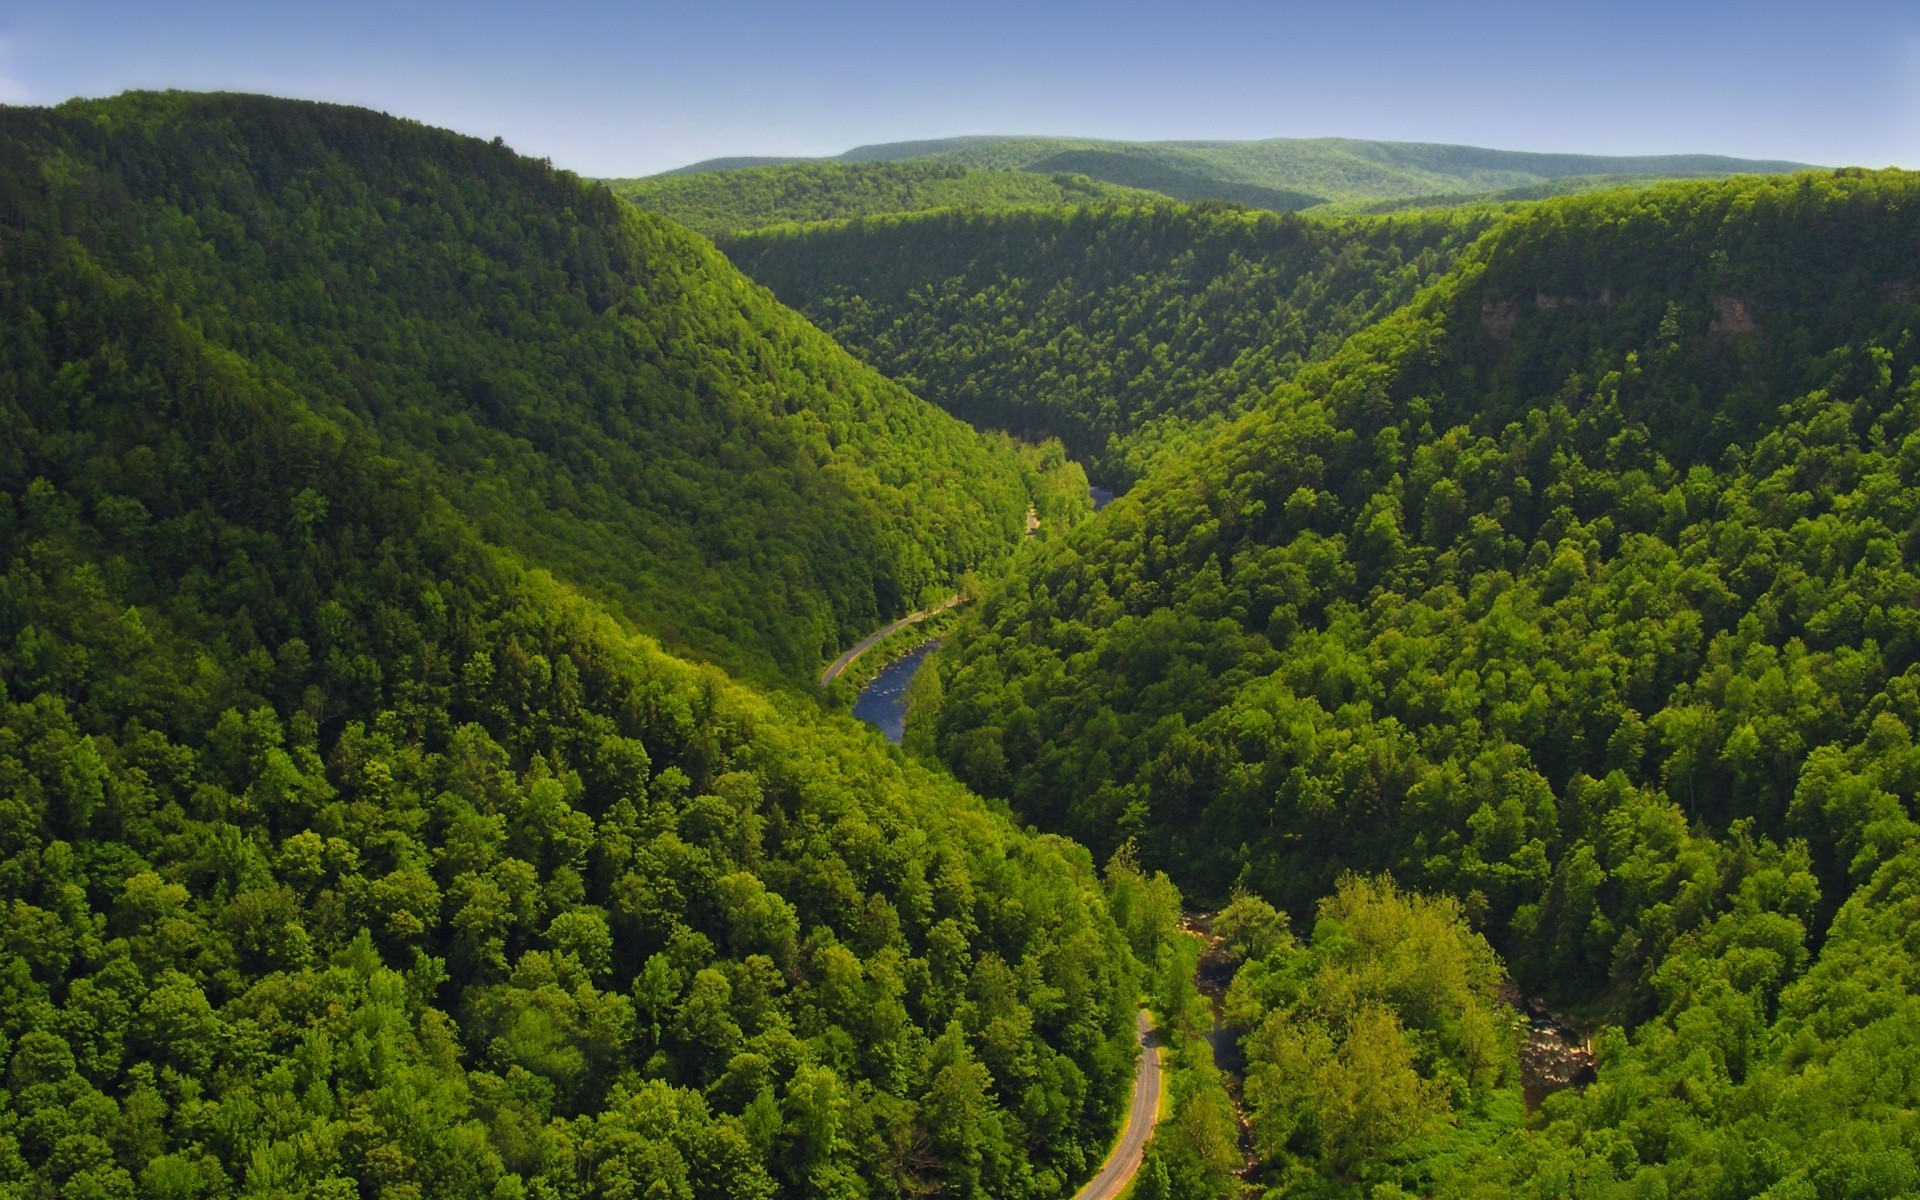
<point>345,854</point>
<point>1581,591</point>
<point>737,201</point>
<point>1286,174</point>
<point>598,390</point>
<point>1117,330</point>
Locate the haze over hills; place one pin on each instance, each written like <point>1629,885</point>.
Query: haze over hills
<point>1286,173</point>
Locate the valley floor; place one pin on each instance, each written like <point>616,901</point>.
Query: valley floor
<point>1124,1160</point>
<point>881,634</point>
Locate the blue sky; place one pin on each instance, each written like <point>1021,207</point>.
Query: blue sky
<point>628,88</point>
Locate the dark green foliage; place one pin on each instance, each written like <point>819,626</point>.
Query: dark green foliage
<point>723,202</point>
<point>1582,590</point>
<point>1753,1079</point>
<point>1116,330</point>
<point>597,389</point>
<point>344,854</point>
<point>1178,181</point>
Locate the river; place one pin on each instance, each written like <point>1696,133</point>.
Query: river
<point>883,703</point>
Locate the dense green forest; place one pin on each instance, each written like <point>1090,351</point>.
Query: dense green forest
<point>1513,600</point>
<point>346,853</point>
<point>1580,592</point>
<point>595,387</point>
<point>1284,173</point>
<point>1117,330</point>
<point>721,202</point>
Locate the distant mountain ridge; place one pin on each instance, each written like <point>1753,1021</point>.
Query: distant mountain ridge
<point>1285,173</point>
<point>718,203</point>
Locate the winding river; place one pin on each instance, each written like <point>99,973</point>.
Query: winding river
<point>883,703</point>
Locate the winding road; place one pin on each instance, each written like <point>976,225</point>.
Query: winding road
<point>873,639</point>
<point>1125,1157</point>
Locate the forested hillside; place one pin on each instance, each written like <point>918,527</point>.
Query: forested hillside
<point>1581,591</point>
<point>343,853</point>
<point>722,202</point>
<point>1285,174</point>
<point>1117,330</point>
<point>595,387</point>
<point>1521,596</point>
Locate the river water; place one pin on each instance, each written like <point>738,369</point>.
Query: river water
<point>883,703</point>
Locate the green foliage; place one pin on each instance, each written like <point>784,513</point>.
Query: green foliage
<point>1195,1149</point>
<point>1119,331</point>
<point>595,388</point>
<point>1249,929</point>
<point>1062,498</point>
<point>1742,1086</point>
<point>1288,173</point>
<point>1387,620</point>
<point>724,202</point>
<point>1582,591</point>
<point>345,853</point>
<point>1386,1027</point>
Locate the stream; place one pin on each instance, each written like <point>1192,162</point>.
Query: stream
<point>883,703</point>
<point>1212,975</point>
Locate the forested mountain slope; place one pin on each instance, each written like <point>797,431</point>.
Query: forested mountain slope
<point>1114,329</point>
<point>595,387</point>
<point>1289,173</point>
<point>722,202</point>
<point>1583,590</point>
<point>343,853</point>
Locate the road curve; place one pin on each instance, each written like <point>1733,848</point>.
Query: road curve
<point>873,639</point>
<point>1124,1160</point>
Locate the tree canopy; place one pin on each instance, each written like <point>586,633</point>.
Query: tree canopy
<point>345,851</point>
<point>726,202</point>
<point>1581,591</point>
<point>1124,331</point>
<point>595,387</point>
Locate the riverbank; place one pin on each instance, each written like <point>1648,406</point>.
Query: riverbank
<point>883,703</point>
<point>839,666</point>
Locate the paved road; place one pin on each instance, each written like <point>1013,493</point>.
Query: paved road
<point>1141,1118</point>
<point>873,639</point>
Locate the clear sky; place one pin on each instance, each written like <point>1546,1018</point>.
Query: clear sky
<point>612,88</point>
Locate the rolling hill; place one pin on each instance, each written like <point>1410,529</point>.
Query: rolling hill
<point>1581,591</point>
<point>347,850</point>
<point>1123,331</point>
<point>596,387</point>
<point>1292,173</point>
<point>717,203</point>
